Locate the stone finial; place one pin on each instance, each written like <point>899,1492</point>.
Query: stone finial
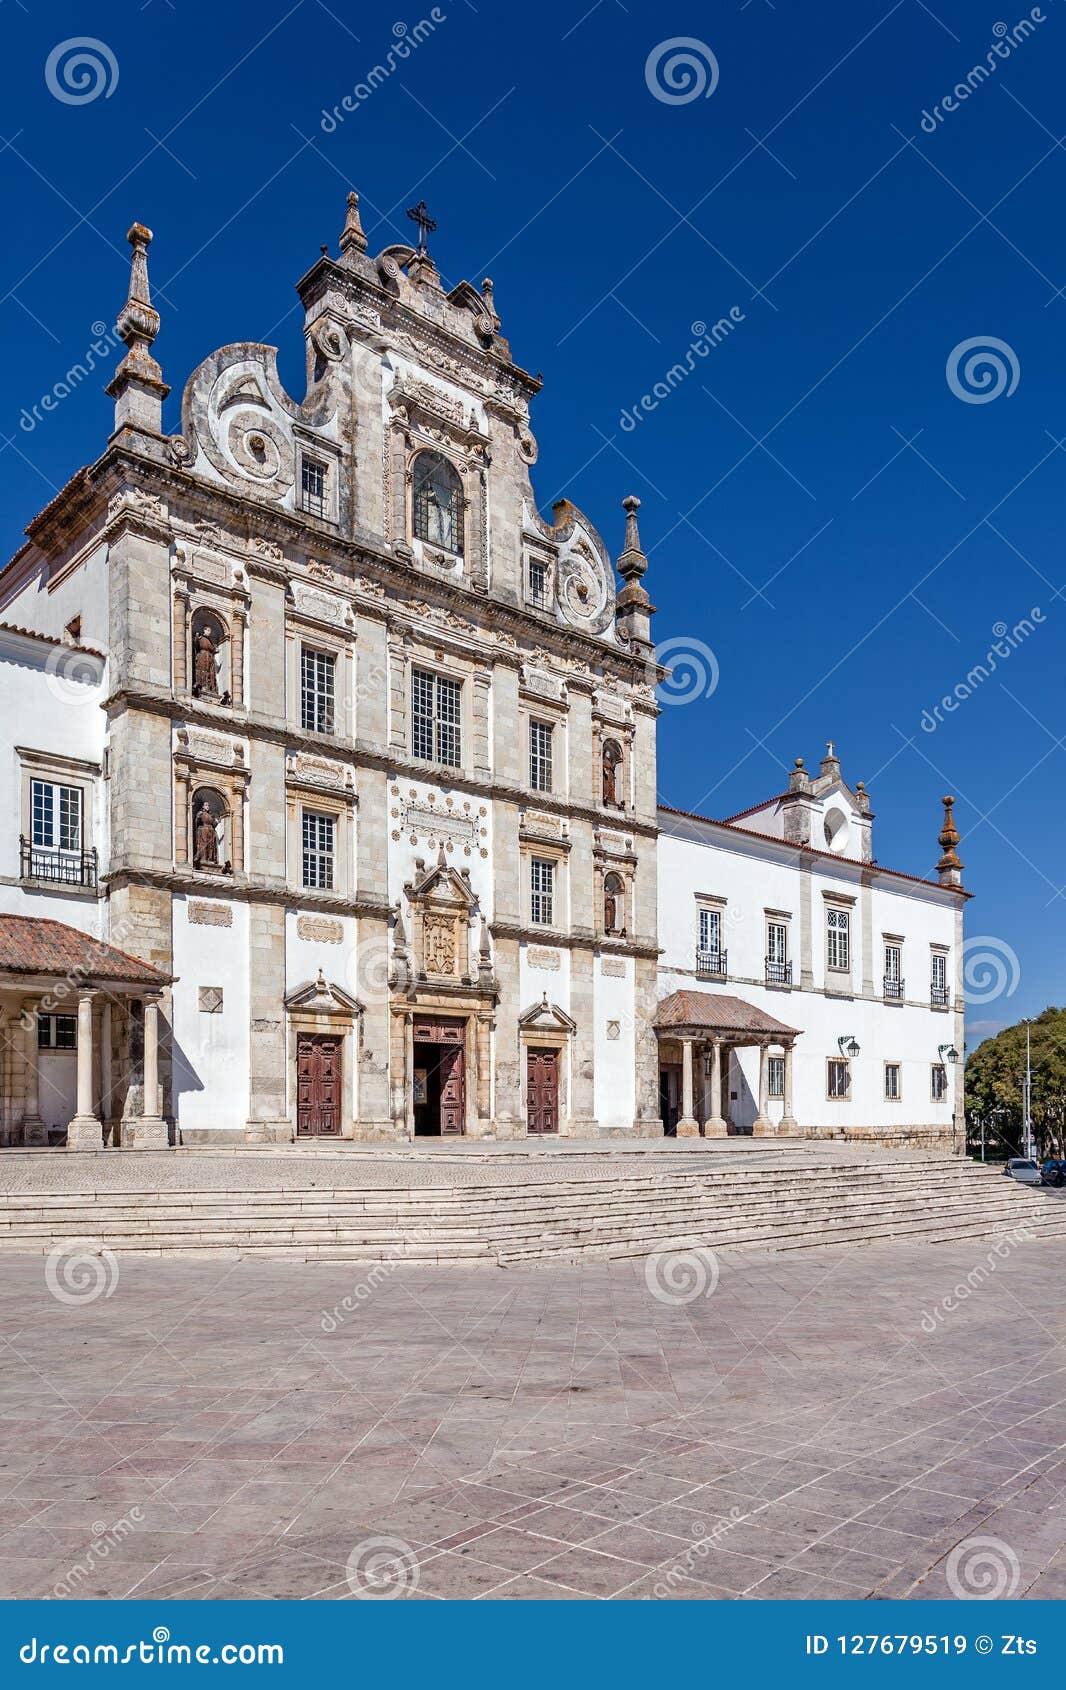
<point>352,237</point>
<point>137,386</point>
<point>488,296</point>
<point>798,779</point>
<point>634,608</point>
<point>442,860</point>
<point>949,868</point>
<point>830,764</point>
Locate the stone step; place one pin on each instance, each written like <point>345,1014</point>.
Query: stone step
<point>465,1199</point>
<point>619,1207</point>
<point>520,1238</point>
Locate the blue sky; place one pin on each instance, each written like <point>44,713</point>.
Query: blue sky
<point>823,512</point>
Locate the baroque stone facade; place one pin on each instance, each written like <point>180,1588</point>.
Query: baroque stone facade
<point>380,740</point>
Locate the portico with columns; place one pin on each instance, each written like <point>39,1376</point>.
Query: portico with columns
<point>698,1033</point>
<point>80,1025</point>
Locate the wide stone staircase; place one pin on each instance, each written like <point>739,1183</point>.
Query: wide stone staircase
<point>774,1201</point>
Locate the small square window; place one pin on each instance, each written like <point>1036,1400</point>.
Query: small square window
<point>57,1032</point>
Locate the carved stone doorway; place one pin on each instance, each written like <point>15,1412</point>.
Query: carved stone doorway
<point>439,1077</point>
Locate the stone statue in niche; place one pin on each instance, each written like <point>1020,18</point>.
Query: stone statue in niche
<point>612,759</point>
<point>205,672</point>
<point>613,893</point>
<point>205,849</point>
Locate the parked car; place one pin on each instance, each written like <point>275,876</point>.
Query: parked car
<point>1023,1169</point>
<point>1054,1171</point>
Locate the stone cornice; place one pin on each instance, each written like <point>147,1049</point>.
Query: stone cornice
<point>200,500</point>
<point>357,755</point>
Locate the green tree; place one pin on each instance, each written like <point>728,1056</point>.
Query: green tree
<point>995,1073</point>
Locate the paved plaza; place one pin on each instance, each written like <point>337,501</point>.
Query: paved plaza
<point>877,1422</point>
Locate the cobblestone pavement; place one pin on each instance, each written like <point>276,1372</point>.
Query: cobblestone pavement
<point>821,1425</point>
<point>433,1165</point>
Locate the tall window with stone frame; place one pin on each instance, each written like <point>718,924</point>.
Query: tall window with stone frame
<point>541,892</point>
<point>838,940</point>
<point>437,502</point>
<point>540,756</point>
<point>775,1076</point>
<point>436,718</point>
<point>938,1083</point>
<point>893,971</point>
<point>892,1082</point>
<point>538,583</point>
<point>938,983</point>
<point>710,932</point>
<point>314,496</point>
<point>317,690</point>
<point>55,823</point>
<point>319,851</point>
<point>838,1079</point>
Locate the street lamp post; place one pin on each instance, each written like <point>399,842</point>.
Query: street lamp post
<point>1027,1097</point>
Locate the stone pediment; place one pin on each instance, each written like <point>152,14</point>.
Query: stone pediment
<point>443,885</point>
<point>547,1017</point>
<point>322,997</point>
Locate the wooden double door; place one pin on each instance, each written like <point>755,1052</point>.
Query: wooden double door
<point>319,1069</point>
<point>439,1077</point>
<point>542,1091</point>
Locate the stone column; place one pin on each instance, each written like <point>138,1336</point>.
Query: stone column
<point>106,1064</point>
<point>85,1131</point>
<point>715,1126</point>
<point>236,657</point>
<point>484,1075</point>
<point>34,1130</point>
<point>181,638</point>
<point>150,1129</point>
<point>762,1124</point>
<point>787,1123</point>
<point>687,1126</point>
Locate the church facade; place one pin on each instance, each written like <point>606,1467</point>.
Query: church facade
<point>329,771</point>
<point>374,777</point>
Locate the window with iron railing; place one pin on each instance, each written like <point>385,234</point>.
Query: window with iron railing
<point>939,995</point>
<point>313,490</point>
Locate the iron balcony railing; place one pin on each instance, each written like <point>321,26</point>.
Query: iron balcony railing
<point>778,973</point>
<point>893,987</point>
<point>61,868</point>
<point>939,997</point>
<point>712,964</point>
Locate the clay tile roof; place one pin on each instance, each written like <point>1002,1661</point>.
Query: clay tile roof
<point>718,1012</point>
<point>33,945</point>
<point>49,639</point>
